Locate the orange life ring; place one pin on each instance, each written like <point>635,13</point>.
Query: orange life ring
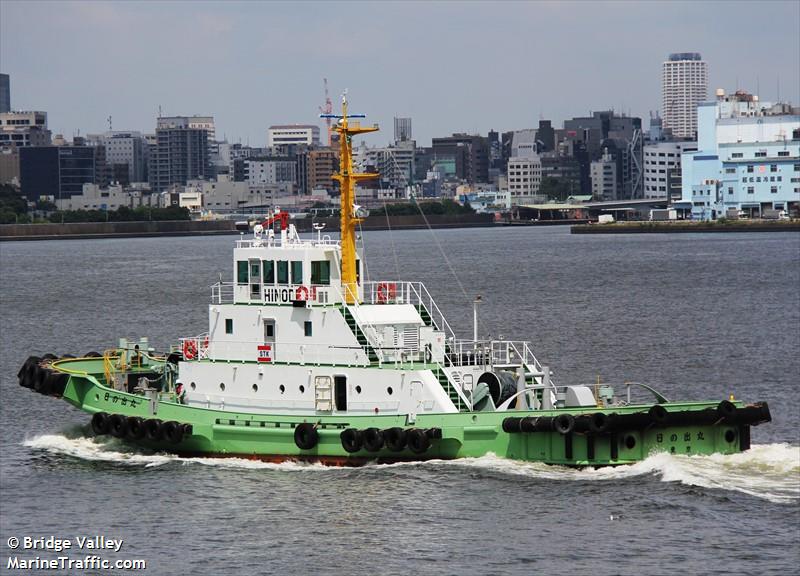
<point>387,292</point>
<point>301,294</point>
<point>189,349</point>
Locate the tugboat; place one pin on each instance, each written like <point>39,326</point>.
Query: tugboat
<point>305,360</point>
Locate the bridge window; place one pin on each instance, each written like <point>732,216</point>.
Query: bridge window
<point>268,268</point>
<point>241,272</point>
<point>307,327</point>
<point>321,272</point>
<point>283,272</point>
<point>228,325</point>
<point>297,272</point>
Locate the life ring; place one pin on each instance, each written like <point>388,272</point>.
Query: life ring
<point>418,441</point>
<point>387,292</point>
<point>351,440</point>
<point>306,436</point>
<point>189,349</point>
<point>301,294</point>
<point>100,423</point>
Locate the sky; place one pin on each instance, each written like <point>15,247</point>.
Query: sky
<point>451,66</point>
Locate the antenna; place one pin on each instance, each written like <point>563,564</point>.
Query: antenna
<point>110,128</point>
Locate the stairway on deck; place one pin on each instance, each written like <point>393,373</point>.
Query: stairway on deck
<point>360,336</point>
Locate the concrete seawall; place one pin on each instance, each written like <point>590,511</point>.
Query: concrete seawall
<point>83,230</point>
<point>685,227</point>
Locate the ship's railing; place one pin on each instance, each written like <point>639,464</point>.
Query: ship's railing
<point>321,240</point>
<point>414,293</point>
<point>222,292</point>
<point>321,294</point>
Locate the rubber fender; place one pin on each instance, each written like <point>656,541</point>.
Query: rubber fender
<point>40,380</point>
<point>512,425</point>
<point>351,440</point>
<point>754,414</point>
<point>418,441</point>
<point>100,423</point>
<point>173,431</point>
<point>30,375</point>
<point>55,382</point>
<point>433,433</point>
<point>135,428</point>
<point>543,424</point>
<point>527,424</point>
<point>92,355</point>
<point>727,411</point>
<point>634,421</point>
<point>373,439</point>
<point>26,366</point>
<point>188,429</point>
<point>152,429</point>
<point>600,422</point>
<point>564,423</point>
<point>118,425</point>
<point>395,439</point>
<point>581,423</point>
<point>49,356</point>
<point>658,415</point>
<point>306,436</point>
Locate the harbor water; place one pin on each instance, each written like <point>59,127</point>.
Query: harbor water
<point>696,316</point>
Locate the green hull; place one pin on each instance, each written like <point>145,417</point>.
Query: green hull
<point>459,435</point>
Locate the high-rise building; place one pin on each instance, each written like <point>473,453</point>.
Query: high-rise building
<point>27,128</point>
<point>126,155</point>
<point>402,129</point>
<point>281,135</point>
<point>605,185</point>
<point>5,93</point>
<point>469,154</point>
<point>662,160</point>
<point>180,153</point>
<point>57,171</point>
<point>524,178</point>
<point>684,85</point>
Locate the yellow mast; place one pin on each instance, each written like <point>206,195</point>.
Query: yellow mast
<point>347,184</point>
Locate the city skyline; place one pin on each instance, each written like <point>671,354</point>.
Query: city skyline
<point>451,67</point>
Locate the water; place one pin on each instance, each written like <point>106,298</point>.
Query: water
<point>697,316</point>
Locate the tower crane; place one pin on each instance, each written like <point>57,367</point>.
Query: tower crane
<point>327,109</point>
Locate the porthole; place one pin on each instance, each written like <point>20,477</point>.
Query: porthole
<point>97,397</point>
<point>358,389</point>
<point>630,442</point>
<point>255,387</point>
<point>302,389</point>
<point>193,386</point>
<point>730,436</point>
<point>389,390</point>
<point>222,386</point>
<point>282,388</point>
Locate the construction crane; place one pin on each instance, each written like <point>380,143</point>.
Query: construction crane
<point>327,110</point>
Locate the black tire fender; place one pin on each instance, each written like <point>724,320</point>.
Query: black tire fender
<point>658,415</point>
<point>152,429</point>
<point>418,441</point>
<point>173,431</point>
<point>135,428</point>
<point>373,439</point>
<point>118,425</point>
<point>100,423</point>
<point>352,440</point>
<point>564,423</point>
<point>727,410</point>
<point>306,436</point>
<point>395,438</point>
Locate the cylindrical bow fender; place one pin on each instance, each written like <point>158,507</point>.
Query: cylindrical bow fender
<point>658,415</point>
<point>727,411</point>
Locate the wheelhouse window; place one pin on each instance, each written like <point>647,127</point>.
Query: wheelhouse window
<point>321,272</point>
<point>297,272</point>
<point>308,328</point>
<point>268,269</point>
<point>241,272</point>
<point>228,325</point>
<point>283,272</point>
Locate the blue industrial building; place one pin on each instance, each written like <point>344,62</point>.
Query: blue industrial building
<point>747,159</point>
